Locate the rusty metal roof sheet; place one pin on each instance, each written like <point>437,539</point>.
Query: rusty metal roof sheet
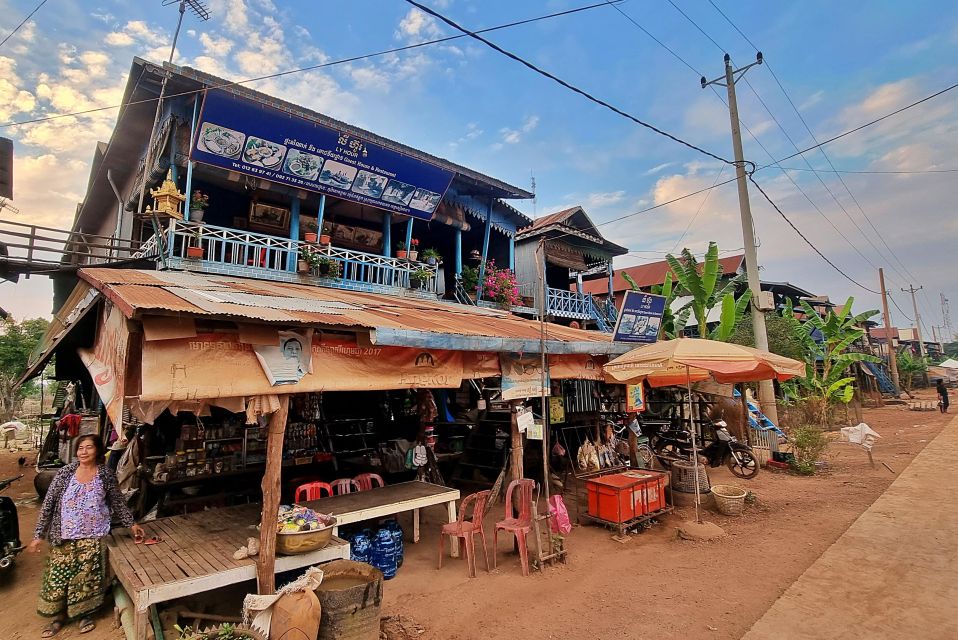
<point>139,293</point>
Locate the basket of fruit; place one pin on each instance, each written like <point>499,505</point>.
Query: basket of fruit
<point>301,530</point>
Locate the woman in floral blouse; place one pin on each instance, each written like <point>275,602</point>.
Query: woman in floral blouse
<point>81,503</point>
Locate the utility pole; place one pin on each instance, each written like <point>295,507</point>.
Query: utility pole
<point>921,342</point>
<point>766,390</point>
<point>890,340</point>
<point>946,318</point>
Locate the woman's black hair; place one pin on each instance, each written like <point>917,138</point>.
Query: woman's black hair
<point>97,444</point>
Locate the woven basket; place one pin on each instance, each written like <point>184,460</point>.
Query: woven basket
<point>729,500</point>
<point>683,477</point>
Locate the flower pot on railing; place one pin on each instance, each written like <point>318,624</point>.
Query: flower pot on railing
<point>431,261</point>
<point>194,253</point>
<point>401,254</point>
<point>324,239</point>
<point>302,266</point>
<point>412,254</point>
<point>196,215</point>
<point>310,237</point>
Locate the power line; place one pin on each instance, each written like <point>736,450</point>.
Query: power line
<point>659,42</point>
<point>805,238</point>
<point>17,28</point>
<point>332,63</point>
<point>906,316</point>
<point>862,126</point>
<point>699,210</point>
<point>820,149</point>
<point>563,83</point>
<point>846,171</point>
<point>695,24</point>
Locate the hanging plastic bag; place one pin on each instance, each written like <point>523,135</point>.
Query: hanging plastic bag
<point>558,450</point>
<point>560,521</point>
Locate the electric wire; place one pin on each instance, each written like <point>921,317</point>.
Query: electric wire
<point>820,150</point>
<point>659,42</point>
<point>23,22</point>
<point>848,171</point>
<point>696,25</point>
<point>331,63</point>
<point>699,210</point>
<point>900,310</point>
<point>805,238</point>
<point>563,83</point>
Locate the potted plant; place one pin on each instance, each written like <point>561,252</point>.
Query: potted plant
<point>431,257</point>
<point>500,286</point>
<point>327,267</point>
<point>198,202</point>
<point>310,237</point>
<point>307,259</point>
<point>413,249</point>
<point>223,631</point>
<point>419,277</point>
<point>401,250</point>
<point>194,250</point>
<point>324,237</point>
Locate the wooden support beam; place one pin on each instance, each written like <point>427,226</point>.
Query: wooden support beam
<point>515,457</point>
<point>266,560</point>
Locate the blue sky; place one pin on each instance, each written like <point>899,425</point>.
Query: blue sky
<point>841,64</point>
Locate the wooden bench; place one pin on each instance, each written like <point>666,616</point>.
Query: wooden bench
<point>195,556</point>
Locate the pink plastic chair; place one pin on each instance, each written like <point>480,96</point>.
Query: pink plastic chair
<point>519,525</point>
<point>367,481</point>
<point>345,485</point>
<point>467,530</point>
<point>312,491</point>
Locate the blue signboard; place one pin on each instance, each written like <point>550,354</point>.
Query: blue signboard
<point>260,141</point>
<point>639,318</point>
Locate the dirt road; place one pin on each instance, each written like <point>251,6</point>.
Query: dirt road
<point>654,586</point>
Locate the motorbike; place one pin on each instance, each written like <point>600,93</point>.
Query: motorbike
<point>670,444</point>
<point>9,527</point>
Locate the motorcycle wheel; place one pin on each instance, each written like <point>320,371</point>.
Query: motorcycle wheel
<point>747,469</point>
<point>667,454</point>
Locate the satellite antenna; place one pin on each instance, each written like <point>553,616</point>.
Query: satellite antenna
<point>5,204</point>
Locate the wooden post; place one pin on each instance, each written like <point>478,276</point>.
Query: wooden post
<point>515,457</point>
<point>633,449</point>
<point>266,560</point>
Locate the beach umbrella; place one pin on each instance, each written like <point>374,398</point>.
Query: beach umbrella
<point>686,360</point>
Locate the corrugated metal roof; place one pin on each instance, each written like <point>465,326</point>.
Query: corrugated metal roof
<point>139,293</point>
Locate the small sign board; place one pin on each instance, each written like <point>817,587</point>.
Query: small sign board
<point>640,318</point>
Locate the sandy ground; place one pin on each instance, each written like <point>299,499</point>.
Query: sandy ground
<point>654,585</point>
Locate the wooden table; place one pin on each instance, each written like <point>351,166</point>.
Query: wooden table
<point>390,500</point>
<point>195,556</point>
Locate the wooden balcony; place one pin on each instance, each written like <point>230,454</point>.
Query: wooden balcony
<point>254,255</point>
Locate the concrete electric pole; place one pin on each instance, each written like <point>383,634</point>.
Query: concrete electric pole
<point>889,338</point>
<point>766,390</point>
<point>921,342</point>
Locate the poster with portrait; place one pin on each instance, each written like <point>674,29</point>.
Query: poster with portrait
<point>289,360</point>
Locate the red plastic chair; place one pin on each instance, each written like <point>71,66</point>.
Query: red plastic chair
<point>467,530</point>
<point>312,491</point>
<point>252,262</point>
<point>345,485</point>
<point>519,525</point>
<point>367,481</point>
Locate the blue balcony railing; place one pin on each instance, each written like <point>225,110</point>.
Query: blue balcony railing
<point>254,255</point>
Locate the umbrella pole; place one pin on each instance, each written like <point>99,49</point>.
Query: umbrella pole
<point>695,453</point>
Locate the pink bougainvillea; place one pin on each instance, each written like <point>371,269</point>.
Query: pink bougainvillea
<point>500,285</point>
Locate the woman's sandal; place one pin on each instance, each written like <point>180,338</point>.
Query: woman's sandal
<point>86,625</point>
<point>51,629</point>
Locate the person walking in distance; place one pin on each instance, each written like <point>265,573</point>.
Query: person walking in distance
<point>942,395</point>
<point>77,513</point>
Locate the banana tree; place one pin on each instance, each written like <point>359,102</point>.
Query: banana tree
<point>827,363</point>
<point>672,325</point>
<point>704,285</point>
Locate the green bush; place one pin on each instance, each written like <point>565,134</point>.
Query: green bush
<point>809,443</point>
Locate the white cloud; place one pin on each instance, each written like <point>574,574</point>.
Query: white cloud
<point>417,26</point>
<point>513,136</point>
<point>812,100</point>
<point>14,98</point>
<point>137,32</point>
<point>215,46</point>
<point>658,168</point>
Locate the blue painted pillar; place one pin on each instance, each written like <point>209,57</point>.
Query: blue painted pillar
<point>485,249</point>
<point>388,235</point>
<point>189,165</point>
<point>409,235</point>
<point>320,214</point>
<point>611,297</point>
<point>512,253</point>
<point>293,233</point>
<point>458,252</point>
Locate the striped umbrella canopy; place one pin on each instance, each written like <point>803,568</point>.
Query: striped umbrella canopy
<point>688,360</point>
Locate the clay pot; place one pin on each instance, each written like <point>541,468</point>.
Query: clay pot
<point>309,237</point>
<point>401,254</point>
<point>324,239</point>
<point>194,252</point>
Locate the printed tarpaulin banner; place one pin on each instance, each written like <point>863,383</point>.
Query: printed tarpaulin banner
<point>251,138</point>
<point>218,365</point>
<point>576,366</point>
<point>639,318</point>
<point>289,359</point>
<point>106,363</point>
<point>522,376</point>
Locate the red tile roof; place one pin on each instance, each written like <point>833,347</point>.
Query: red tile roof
<point>647,275</point>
